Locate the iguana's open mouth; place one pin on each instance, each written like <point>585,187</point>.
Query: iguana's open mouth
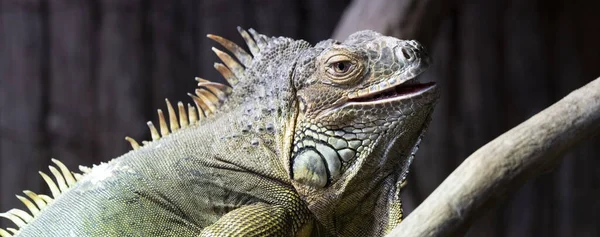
<point>397,93</point>
<point>400,91</point>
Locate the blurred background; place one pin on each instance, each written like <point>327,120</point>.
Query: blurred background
<point>76,76</point>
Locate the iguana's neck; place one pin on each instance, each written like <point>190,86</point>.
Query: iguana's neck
<point>372,192</point>
<point>262,109</point>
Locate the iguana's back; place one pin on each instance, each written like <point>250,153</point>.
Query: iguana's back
<point>177,194</point>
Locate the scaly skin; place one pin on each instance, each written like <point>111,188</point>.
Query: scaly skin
<point>300,147</point>
<point>353,144</point>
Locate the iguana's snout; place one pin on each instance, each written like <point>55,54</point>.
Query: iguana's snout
<point>355,96</point>
<point>393,64</point>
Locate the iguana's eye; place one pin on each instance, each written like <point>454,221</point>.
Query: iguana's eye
<point>340,65</point>
<point>342,69</point>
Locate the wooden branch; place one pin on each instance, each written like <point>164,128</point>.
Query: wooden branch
<point>404,19</point>
<point>505,163</point>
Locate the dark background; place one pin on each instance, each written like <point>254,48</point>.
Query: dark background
<point>76,76</point>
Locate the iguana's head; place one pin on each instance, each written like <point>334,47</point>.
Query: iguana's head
<point>361,111</point>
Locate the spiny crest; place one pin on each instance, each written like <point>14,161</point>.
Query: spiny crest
<point>64,179</point>
<point>209,96</point>
<point>207,99</point>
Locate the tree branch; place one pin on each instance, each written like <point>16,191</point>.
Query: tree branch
<point>505,163</point>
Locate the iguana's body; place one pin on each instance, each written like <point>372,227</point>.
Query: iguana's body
<point>263,163</point>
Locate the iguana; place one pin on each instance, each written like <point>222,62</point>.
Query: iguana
<point>307,141</point>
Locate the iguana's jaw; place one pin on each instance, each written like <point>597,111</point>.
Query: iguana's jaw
<point>396,94</point>
<point>393,93</point>
<point>406,82</point>
<point>396,90</point>
<point>345,136</point>
<point>369,179</point>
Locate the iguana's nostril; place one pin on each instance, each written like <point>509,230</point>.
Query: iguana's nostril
<point>406,53</point>
<point>412,50</point>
